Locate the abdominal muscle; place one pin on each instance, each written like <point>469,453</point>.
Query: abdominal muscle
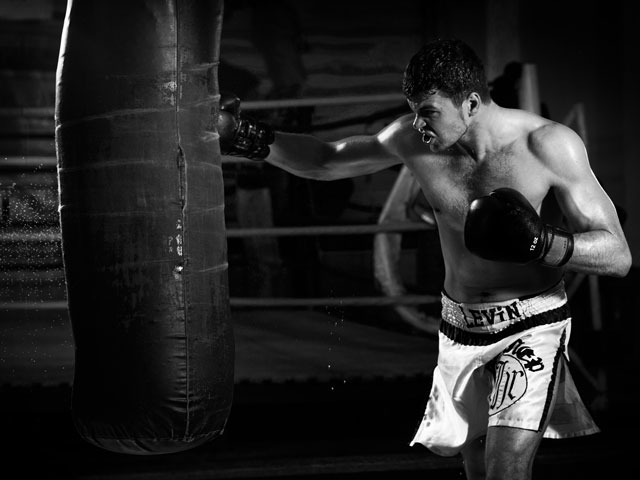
<point>471,279</point>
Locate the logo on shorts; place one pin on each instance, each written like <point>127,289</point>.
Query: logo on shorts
<point>511,375</point>
<point>490,316</point>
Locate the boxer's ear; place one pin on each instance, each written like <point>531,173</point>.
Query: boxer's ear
<point>473,103</point>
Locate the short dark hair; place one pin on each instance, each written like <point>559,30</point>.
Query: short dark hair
<point>446,65</point>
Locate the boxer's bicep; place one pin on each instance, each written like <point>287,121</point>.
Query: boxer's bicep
<point>584,203</point>
<point>361,155</point>
<point>600,246</point>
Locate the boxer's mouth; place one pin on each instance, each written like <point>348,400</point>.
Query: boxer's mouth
<point>427,137</point>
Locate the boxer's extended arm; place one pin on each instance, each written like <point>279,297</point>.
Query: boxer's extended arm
<point>309,157</point>
<point>600,246</point>
<point>305,155</point>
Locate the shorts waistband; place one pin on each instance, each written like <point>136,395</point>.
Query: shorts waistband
<point>495,316</point>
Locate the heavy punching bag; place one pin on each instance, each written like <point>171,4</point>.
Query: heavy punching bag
<point>142,219</point>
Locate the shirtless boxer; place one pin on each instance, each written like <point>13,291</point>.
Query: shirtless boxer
<point>516,203</point>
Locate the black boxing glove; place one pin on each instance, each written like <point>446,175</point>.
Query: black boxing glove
<point>240,135</point>
<point>504,226</point>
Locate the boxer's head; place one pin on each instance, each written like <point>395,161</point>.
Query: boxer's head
<point>450,67</point>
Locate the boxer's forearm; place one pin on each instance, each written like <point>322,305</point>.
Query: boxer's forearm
<point>600,252</point>
<point>303,155</point>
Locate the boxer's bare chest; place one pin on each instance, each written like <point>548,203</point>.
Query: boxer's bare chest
<point>451,181</point>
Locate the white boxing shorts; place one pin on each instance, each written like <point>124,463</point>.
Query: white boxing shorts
<point>503,364</point>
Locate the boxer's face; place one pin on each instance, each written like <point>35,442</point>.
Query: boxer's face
<point>440,122</point>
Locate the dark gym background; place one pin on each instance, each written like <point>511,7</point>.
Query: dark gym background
<point>327,392</point>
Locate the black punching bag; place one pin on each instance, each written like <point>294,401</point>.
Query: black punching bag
<point>142,218</point>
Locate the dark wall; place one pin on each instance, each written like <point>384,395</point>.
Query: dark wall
<point>584,53</point>
<point>578,50</point>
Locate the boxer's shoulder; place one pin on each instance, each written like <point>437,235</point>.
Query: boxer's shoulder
<point>401,138</point>
<point>557,147</point>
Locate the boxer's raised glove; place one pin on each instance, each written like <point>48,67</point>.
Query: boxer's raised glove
<point>241,135</point>
<point>504,226</point>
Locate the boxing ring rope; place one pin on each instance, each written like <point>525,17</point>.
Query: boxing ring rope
<point>280,302</point>
<point>322,101</point>
<point>326,230</point>
<point>247,302</point>
<point>247,105</point>
<point>53,235</point>
<point>376,301</point>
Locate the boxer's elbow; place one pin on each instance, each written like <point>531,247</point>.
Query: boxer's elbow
<point>622,265</point>
<point>617,259</point>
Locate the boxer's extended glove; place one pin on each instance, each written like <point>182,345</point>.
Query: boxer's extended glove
<point>240,135</point>
<point>503,226</point>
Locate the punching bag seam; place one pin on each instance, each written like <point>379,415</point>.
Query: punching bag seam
<point>182,186</point>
